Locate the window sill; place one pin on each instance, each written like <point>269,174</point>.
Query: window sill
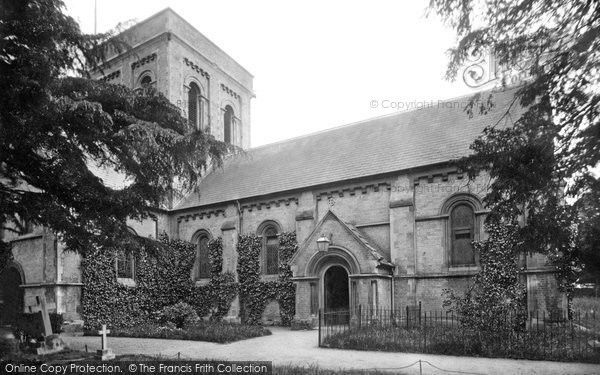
<point>27,236</point>
<point>273,277</point>
<point>201,282</point>
<point>127,281</point>
<point>463,268</point>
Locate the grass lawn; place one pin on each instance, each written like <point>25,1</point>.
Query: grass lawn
<point>65,355</point>
<point>587,312</point>
<point>203,331</point>
<point>586,304</point>
<point>555,343</point>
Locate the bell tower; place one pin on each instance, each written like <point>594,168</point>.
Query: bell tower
<point>212,90</point>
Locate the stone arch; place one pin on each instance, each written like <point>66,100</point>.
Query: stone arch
<point>458,198</point>
<point>228,102</point>
<point>12,295</point>
<point>17,266</point>
<point>193,79</point>
<point>336,255</point>
<point>144,76</point>
<point>266,224</point>
<point>201,233</point>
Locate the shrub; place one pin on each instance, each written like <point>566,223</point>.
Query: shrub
<point>201,331</point>
<point>31,326</point>
<point>180,314</point>
<point>496,291</point>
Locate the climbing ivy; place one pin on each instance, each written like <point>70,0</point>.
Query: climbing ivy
<point>161,279</point>
<point>495,297</point>
<point>254,293</point>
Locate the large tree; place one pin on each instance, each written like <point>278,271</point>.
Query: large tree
<point>58,128</point>
<point>550,155</point>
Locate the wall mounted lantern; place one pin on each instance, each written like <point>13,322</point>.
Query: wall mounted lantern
<point>323,243</point>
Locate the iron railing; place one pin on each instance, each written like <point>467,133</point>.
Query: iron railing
<point>535,335</point>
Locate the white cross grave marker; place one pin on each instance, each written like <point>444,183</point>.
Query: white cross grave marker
<point>104,332</point>
<point>105,353</point>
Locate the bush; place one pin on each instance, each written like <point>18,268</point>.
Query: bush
<point>180,314</point>
<point>201,331</point>
<point>31,326</point>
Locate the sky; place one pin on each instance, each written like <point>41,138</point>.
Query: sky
<point>316,64</point>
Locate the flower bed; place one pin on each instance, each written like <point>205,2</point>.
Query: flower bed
<point>203,331</point>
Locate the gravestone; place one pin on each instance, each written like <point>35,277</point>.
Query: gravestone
<point>52,342</point>
<point>105,353</point>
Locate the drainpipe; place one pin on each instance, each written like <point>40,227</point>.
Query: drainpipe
<point>239,212</point>
<point>392,291</point>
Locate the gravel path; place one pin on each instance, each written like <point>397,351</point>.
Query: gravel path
<point>300,348</point>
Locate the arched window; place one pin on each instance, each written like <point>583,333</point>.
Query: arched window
<point>125,263</point>
<point>462,229</point>
<point>202,262</point>
<point>229,124</point>
<point>270,248</point>
<point>146,81</point>
<point>194,105</point>
<point>462,232</point>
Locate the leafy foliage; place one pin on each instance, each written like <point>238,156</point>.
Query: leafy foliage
<point>254,293</point>
<point>496,292</point>
<point>163,279</point>
<point>180,314</point>
<point>552,149</point>
<point>202,331</point>
<point>544,342</point>
<point>57,132</point>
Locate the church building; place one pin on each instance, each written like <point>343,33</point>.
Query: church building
<point>382,216</point>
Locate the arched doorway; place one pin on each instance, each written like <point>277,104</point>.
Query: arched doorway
<point>11,295</point>
<point>336,290</point>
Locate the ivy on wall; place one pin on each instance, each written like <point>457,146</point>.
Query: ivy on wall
<point>256,294</point>
<point>161,279</point>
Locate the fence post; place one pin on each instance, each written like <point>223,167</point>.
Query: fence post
<point>359,316</point>
<point>406,316</point>
<point>320,317</point>
<point>424,332</point>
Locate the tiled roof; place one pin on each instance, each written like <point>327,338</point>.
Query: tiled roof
<point>437,133</point>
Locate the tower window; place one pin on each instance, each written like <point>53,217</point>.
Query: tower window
<point>198,113</point>
<point>229,124</point>
<point>194,105</point>
<point>146,81</point>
